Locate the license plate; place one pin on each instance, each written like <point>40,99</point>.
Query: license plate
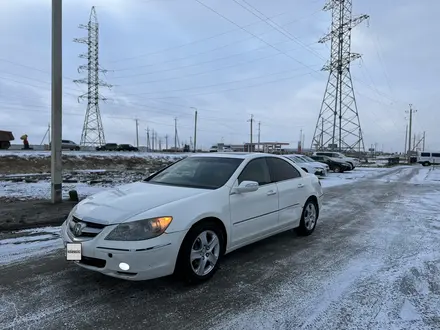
<point>73,251</point>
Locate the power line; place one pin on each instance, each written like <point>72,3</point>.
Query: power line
<point>205,39</point>
<point>204,72</point>
<point>215,85</point>
<point>264,41</point>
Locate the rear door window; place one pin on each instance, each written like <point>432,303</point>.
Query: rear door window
<point>280,170</point>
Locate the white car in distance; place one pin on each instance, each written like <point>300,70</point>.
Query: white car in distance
<point>317,169</point>
<point>184,218</point>
<point>315,163</point>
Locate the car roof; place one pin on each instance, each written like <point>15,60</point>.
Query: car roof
<point>239,155</point>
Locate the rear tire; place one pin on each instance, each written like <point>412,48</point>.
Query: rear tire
<point>200,253</point>
<point>426,164</point>
<point>337,169</point>
<point>309,218</point>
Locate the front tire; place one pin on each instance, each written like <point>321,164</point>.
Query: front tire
<point>337,169</point>
<point>309,218</point>
<point>200,253</point>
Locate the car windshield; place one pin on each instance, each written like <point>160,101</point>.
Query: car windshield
<point>298,159</point>
<point>304,159</point>
<point>308,159</point>
<point>198,172</point>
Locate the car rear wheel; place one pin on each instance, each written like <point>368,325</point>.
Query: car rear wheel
<point>309,218</point>
<point>200,253</point>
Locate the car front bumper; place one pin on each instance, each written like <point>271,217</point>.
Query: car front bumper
<point>147,259</point>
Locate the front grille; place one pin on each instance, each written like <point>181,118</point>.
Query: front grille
<point>94,262</point>
<point>88,229</point>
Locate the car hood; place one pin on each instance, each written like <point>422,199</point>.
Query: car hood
<point>318,164</point>
<point>117,205</point>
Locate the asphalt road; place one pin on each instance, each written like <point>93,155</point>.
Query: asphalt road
<point>372,263</point>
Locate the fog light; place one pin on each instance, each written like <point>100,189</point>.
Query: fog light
<point>124,266</point>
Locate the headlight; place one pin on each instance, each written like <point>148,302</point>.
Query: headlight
<point>318,169</point>
<point>139,230</point>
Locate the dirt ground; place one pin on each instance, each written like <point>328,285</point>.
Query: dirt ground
<point>11,164</point>
<point>17,214</point>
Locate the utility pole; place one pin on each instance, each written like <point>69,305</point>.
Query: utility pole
<point>160,144</point>
<point>411,111</point>
<point>259,134</point>
<point>252,122</point>
<point>405,150</point>
<point>414,142</point>
<point>166,142</point>
<point>195,129</point>
<point>423,147</point>
<point>175,134</point>
<point>137,133</point>
<point>57,102</point>
<point>153,139</point>
<point>148,138</point>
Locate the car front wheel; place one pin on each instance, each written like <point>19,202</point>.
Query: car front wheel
<point>200,253</point>
<point>309,218</point>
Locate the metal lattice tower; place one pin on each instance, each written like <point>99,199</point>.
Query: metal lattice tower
<point>93,131</point>
<point>338,126</point>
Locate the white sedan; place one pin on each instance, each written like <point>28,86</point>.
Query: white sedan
<point>185,217</point>
<point>309,167</point>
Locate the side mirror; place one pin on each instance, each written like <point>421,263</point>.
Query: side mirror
<point>247,186</point>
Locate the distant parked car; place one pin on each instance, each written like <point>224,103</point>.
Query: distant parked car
<point>108,147</point>
<point>306,166</point>
<point>332,154</point>
<point>314,162</point>
<point>68,145</point>
<point>336,165</point>
<point>126,147</point>
<point>184,218</point>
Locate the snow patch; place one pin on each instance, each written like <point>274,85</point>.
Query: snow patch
<point>427,174</point>
<point>97,154</point>
<point>30,243</point>
<point>338,179</point>
<point>41,189</point>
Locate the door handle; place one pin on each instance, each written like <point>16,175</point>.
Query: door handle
<point>300,185</point>
<point>271,192</point>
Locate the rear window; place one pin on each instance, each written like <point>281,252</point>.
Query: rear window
<point>435,154</point>
<point>425,154</point>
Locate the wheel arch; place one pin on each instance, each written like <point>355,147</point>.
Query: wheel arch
<point>217,222</point>
<point>208,219</point>
<point>315,200</point>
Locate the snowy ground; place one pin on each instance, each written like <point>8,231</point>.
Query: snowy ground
<point>43,154</point>
<point>41,189</point>
<point>372,263</point>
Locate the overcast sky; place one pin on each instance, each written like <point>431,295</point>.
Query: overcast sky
<point>167,56</point>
